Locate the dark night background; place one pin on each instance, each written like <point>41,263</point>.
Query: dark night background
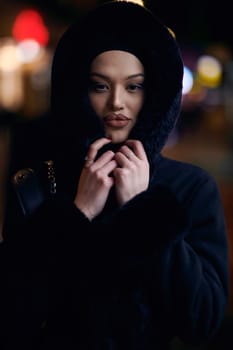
<point>197,21</point>
<point>192,20</point>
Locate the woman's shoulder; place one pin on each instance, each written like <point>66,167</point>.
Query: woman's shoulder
<point>185,178</point>
<point>183,168</point>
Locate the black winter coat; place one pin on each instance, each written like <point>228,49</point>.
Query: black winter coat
<point>132,279</point>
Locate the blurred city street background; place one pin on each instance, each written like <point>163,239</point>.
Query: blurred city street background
<point>29,31</point>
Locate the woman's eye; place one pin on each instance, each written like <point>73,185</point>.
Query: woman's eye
<point>135,87</point>
<point>98,87</point>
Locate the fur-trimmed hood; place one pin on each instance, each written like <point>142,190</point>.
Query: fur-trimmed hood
<point>116,25</point>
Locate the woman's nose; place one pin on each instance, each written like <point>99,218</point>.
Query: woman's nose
<point>117,99</point>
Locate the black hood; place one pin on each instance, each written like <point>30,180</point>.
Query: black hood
<point>116,25</point>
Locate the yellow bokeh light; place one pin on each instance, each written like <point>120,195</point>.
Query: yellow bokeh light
<point>8,55</point>
<point>171,32</point>
<point>209,71</point>
<point>139,2</point>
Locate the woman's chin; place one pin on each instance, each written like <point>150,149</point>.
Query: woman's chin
<point>117,137</point>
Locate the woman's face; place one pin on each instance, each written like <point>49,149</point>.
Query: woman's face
<point>117,92</point>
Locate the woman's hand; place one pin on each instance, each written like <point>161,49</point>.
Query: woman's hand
<point>95,180</point>
<point>132,172</point>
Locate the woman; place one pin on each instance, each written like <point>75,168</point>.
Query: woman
<point>129,250</point>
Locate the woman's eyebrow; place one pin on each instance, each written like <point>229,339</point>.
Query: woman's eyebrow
<point>136,75</point>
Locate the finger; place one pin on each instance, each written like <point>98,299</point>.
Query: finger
<point>109,167</point>
<point>137,148</point>
<point>88,162</point>
<point>93,150</point>
<point>103,160</point>
<point>127,153</point>
<point>122,160</point>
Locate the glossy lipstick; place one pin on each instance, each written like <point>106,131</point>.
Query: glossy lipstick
<point>116,120</point>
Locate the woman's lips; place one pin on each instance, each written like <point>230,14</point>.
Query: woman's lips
<point>116,120</point>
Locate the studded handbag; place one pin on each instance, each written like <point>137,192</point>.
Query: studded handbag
<point>34,185</point>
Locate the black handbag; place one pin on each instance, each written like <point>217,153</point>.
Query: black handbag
<point>34,185</point>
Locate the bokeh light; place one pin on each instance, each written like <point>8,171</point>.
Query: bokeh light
<point>8,55</point>
<point>29,24</point>
<point>209,71</point>
<point>28,50</point>
<point>187,80</point>
<point>139,2</point>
